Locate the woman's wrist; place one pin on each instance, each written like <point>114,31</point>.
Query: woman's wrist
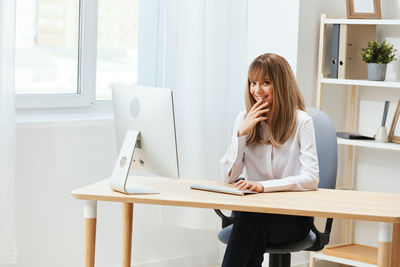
<point>240,133</point>
<point>260,188</point>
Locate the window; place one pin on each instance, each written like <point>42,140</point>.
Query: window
<point>52,63</point>
<point>63,45</point>
<point>46,54</point>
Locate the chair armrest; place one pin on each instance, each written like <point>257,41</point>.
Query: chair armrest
<point>322,238</point>
<point>226,220</point>
<point>328,225</point>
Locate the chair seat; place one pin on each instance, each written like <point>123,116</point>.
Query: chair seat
<point>224,234</point>
<point>307,242</point>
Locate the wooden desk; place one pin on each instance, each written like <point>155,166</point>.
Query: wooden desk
<point>368,206</point>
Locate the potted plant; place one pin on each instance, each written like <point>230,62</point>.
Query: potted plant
<point>377,56</point>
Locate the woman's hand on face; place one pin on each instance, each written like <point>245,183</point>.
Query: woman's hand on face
<point>254,116</point>
<point>253,186</point>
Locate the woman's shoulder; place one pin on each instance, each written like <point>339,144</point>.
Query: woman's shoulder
<point>303,116</point>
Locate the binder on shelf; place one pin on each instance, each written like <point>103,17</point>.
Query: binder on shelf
<point>352,38</point>
<point>335,50</point>
<point>342,52</point>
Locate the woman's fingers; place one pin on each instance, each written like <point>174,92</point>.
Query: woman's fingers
<point>257,187</point>
<point>253,117</point>
<point>243,185</point>
<point>257,104</point>
<point>239,185</point>
<point>259,107</point>
<point>262,111</point>
<point>239,182</point>
<point>261,119</point>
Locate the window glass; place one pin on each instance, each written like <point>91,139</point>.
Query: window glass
<point>47,33</point>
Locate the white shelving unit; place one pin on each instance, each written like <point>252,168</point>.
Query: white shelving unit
<point>369,144</point>
<point>350,253</point>
<point>392,84</point>
<point>363,21</point>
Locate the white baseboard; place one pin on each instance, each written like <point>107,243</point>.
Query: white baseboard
<point>318,264</point>
<point>196,260</point>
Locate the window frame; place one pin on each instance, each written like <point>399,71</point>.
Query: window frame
<point>151,42</point>
<point>150,58</point>
<point>86,80</point>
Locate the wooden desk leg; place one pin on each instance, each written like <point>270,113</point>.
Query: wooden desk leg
<point>396,245</point>
<point>311,262</point>
<point>385,245</point>
<point>90,216</point>
<point>127,219</point>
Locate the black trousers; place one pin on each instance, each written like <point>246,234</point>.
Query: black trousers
<point>253,232</point>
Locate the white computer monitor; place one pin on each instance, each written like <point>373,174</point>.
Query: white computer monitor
<point>145,132</point>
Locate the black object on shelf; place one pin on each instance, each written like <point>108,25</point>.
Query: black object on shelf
<point>347,135</point>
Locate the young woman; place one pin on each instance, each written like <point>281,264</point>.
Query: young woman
<point>273,147</point>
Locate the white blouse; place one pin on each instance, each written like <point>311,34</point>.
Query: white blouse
<point>291,167</point>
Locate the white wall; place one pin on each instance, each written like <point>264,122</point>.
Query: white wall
<point>308,42</point>
<point>272,27</point>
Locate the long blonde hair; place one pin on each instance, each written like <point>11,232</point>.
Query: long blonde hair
<point>287,98</point>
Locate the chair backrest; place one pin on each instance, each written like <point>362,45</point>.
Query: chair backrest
<point>326,141</point>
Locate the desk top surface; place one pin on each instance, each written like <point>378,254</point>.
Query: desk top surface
<point>368,206</point>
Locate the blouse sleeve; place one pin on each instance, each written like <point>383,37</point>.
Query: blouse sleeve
<point>234,156</point>
<point>309,172</point>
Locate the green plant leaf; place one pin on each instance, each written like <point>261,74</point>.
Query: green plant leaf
<point>381,53</point>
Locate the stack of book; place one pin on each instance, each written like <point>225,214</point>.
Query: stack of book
<point>347,40</point>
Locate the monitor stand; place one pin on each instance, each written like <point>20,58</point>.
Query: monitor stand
<point>122,166</point>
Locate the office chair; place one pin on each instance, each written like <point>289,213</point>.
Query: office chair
<point>325,135</point>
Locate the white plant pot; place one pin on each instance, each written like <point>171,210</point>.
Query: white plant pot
<point>381,135</point>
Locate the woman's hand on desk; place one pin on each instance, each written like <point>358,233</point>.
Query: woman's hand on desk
<point>253,186</point>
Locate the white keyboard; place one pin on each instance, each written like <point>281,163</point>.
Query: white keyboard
<point>222,189</point>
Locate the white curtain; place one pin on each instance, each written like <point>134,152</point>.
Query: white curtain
<point>205,66</point>
<point>7,133</point>
<point>204,63</point>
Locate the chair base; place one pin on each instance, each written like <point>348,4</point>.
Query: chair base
<point>279,260</point>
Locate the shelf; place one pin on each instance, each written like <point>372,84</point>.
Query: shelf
<point>368,143</point>
<point>346,262</point>
<point>354,252</point>
<point>363,21</point>
<point>392,84</point>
